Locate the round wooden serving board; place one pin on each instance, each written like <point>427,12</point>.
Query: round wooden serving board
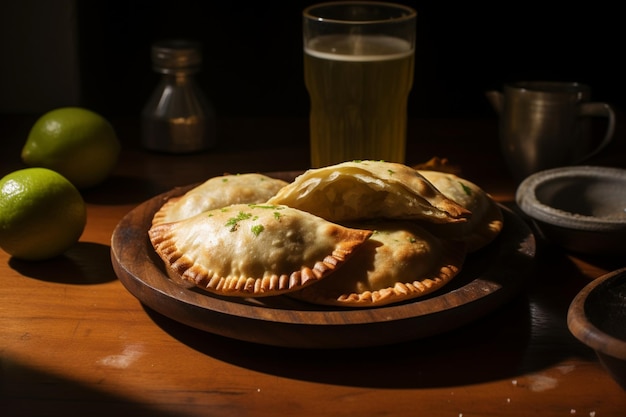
<point>489,278</point>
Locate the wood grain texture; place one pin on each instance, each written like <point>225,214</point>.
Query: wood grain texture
<point>75,341</point>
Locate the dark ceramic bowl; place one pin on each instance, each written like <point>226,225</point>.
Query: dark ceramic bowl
<point>582,209</point>
<point>597,317</point>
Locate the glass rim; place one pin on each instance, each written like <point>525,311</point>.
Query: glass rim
<point>412,13</point>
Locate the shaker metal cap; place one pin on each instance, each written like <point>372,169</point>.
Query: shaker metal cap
<point>176,55</point>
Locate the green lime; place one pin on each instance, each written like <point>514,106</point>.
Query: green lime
<point>42,214</point>
<point>77,143</point>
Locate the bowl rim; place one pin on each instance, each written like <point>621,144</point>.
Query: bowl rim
<point>585,331</point>
<point>527,201</point>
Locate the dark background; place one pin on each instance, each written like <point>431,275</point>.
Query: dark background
<point>253,53</point>
<point>253,58</point>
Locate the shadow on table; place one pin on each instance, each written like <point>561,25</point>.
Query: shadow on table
<point>491,348</point>
<point>27,392</point>
<point>526,335</point>
<point>86,263</point>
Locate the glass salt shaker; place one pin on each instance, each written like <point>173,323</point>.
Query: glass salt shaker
<point>177,118</point>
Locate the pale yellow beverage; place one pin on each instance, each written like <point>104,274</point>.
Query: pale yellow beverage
<point>359,87</point>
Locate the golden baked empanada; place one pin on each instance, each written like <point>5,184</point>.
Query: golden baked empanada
<point>486,221</point>
<point>400,261</point>
<point>219,192</point>
<point>366,190</point>
<point>254,249</point>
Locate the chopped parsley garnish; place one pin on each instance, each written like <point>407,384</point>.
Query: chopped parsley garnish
<point>265,206</point>
<point>233,222</point>
<point>257,229</point>
<point>465,188</point>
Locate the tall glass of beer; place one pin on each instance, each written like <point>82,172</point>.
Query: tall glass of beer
<point>358,70</point>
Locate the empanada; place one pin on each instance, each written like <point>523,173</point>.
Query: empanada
<point>254,250</point>
<point>366,190</point>
<point>219,192</point>
<point>486,221</point>
<point>399,262</point>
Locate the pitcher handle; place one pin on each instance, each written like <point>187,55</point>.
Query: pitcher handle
<point>602,110</point>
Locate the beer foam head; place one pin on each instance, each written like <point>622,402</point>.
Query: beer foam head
<point>358,48</point>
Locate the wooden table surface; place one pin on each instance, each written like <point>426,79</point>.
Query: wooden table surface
<point>74,341</point>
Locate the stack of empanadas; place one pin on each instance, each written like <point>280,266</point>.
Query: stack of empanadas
<point>356,234</point>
